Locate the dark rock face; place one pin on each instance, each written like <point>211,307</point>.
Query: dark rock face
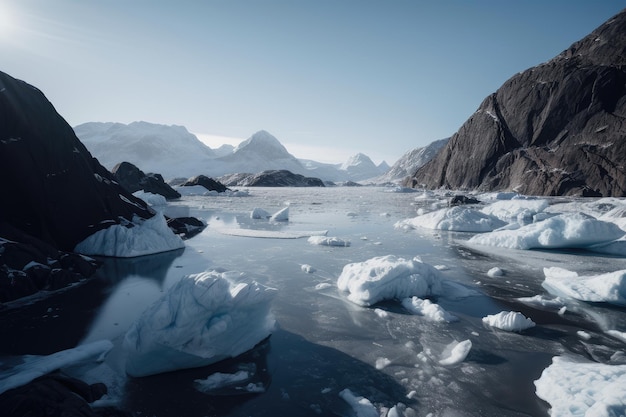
<point>208,183</point>
<point>56,395</point>
<point>29,265</point>
<point>134,179</point>
<point>459,200</point>
<point>555,129</point>
<point>58,193</point>
<point>277,178</point>
<point>186,227</point>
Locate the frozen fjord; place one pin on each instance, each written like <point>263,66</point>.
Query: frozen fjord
<point>385,353</point>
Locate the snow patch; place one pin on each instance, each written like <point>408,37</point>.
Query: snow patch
<point>426,308</point>
<point>604,288</point>
<point>456,353</point>
<point>458,219</point>
<point>328,241</point>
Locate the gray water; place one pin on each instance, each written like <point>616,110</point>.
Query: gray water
<point>323,343</point>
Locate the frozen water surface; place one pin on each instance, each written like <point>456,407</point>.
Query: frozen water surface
<point>325,345</point>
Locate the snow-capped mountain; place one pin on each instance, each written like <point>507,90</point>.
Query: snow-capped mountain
<point>168,150</point>
<point>360,167</point>
<point>411,161</point>
<point>260,152</point>
<point>174,152</point>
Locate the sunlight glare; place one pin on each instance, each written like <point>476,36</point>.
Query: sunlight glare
<point>7,22</point>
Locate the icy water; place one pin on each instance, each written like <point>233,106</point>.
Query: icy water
<point>323,343</point>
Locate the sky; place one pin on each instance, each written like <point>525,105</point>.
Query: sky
<point>328,78</point>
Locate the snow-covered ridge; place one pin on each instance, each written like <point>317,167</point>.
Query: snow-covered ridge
<point>174,152</point>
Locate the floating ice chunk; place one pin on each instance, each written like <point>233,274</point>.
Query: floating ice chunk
<point>220,380</point>
<point>259,213</point>
<point>570,230</point>
<point>382,363</point>
<point>583,335</point>
<point>401,410</point>
<point>362,406</point>
<point>520,211</point>
<point>323,286</point>
<point>36,366</point>
<point>328,241</point>
<point>576,388</point>
<point>458,219</point>
<point>307,268</point>
<point>388,277</point>
<point>495,272</point>
<point>202,319</point>
<point>607,288</point>
<point>281,215</point>
<point>456,353</point>
<point>146,236</point>
<point>431,311</point>
<point>381,313</point>
<point>542,301</point>
<point>151,198</point>
<point>509,320</point>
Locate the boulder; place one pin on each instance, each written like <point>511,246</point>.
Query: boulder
<point>134,179</point>
<point>59,193</point>
<point>275,178</point>
<point>208,183</point>
<point>56,395</point>
<point>554,129</point>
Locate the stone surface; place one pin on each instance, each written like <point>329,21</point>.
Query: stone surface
<point>274,178</point>
<point>208,183</point>
<point>134,179</point>
<point>58,192</point>
<point>554,129</point>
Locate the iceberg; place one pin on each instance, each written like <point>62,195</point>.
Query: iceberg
<point>362,406</point>
<point>137,238</point>
<point>387,278</point>
<point>604,288</point>
<point>281,215</point>
<point>576,388</point>
<point>458,219</point>
<point>509,321</point>
<point>569,230</point>
<point>456,353</point>
<point>202,319</point>
<point>328,241</point>
<point>428,309</point>
<point>259,213</point>
<point>517,210</point>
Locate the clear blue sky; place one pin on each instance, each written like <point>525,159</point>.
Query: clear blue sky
<point>328,78</point>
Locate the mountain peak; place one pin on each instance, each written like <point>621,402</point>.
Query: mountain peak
<point>356,160</point>
<point>263,142</point>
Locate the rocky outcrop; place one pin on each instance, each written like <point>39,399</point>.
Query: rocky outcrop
<point>275,178</point>
<point>555,129</point>
<point>134,179</point>
<point>411,161</point>
<point>58,192</point>
<point>208,183</point>
<point>56,395</point>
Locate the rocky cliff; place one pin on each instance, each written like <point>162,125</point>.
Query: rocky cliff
<point>555,129</point>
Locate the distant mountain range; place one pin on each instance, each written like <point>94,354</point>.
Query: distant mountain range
<point>174,152</point>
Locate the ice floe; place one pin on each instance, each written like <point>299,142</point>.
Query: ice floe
<point>458,219</point>
<point>387,278</point>
<point>520,211</point>
<point>568,230</point>
<point>603,288</point>
<point>510,321</point>
<point>428,309</point>
<point>361,406</point>
<point>137,238</point>
<point>281,215</point>
<point>579,388</point>
<point>259,213</point>
<point>328,241</point>
<point>202,319</point>
<point>36,366</point>
<point>455,353</point>
<point>495,272</point>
